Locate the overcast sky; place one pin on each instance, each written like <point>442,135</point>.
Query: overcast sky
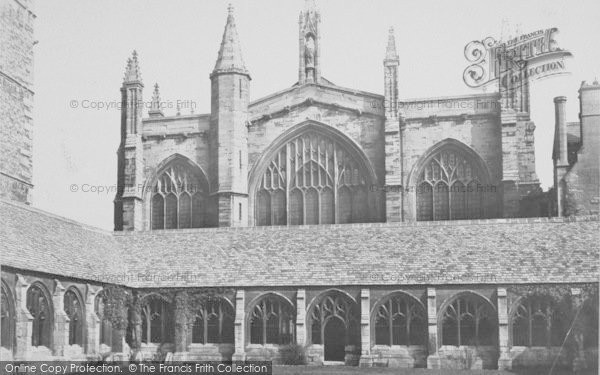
<point>83,47</point>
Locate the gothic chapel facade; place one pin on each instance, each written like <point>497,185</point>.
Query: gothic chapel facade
<point>317,153</point>
<point>368,229</point>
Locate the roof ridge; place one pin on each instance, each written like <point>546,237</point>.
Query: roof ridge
<point>55,216</point>
<point>529,220</point>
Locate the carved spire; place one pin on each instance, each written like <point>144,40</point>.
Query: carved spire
<point>390,52</point>
<point>132,71</point>
<point>230,54</point>
<point>155,105</point>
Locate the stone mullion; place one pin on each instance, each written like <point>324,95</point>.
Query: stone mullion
<point>391,323</point>
<point>336,205</point>
<point>288,180</point>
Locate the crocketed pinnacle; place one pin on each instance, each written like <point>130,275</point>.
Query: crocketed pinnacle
<point>132,71</point>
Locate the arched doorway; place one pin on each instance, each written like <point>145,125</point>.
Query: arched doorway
<point>335,340</point>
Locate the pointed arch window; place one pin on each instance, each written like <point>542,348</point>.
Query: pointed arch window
<point>272,321</point>
<point>400,320</point>
<point>536,322</point>
<point>105,323</point>
<point>313,179</point>
<point>339,306</point>
<point>7,315</point>
<point>74,310</point>
<point>450,186</point>
<point>40,309</point>
<point>469,320</point>
<point>214,323</point>
<point>179,198</point>
<point>157,321</point>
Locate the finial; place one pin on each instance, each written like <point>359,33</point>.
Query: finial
<point>390,52</point>
<point>178,109</point>
<point>230,9</point>
<point>155,106</point>
<point>132,71</point>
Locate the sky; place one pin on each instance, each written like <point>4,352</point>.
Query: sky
<point>83,46</point>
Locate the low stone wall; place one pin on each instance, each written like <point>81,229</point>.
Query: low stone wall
<point>538,356</point>
<point>468,357</point>
<point>210,352</point>
<point>269,352</point>
<point>399,356</point>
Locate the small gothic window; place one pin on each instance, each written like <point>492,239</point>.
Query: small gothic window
<point>323,181</point>
<point>40,309</point>
<point>74,310</point>
<point>536,322</point>
<point>450,187</point>
<point>214,323</point>
<point>157,321</point>
<point>105,323</point>
<point>179,198</point>
<point>400,320</point>
<point>272,321</point>
<point>339,306</point>
<point>469,320</point>
<point>7,315</point>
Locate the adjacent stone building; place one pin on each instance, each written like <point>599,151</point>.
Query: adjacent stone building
<point>16,99</point>
<point>576,155</point>
<point>368,229</point>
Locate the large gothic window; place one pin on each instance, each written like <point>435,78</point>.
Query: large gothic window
<point>214,323</point>
<point>7,315</point>
<point>74,310</point>
<point>469,320</point>
<point>179,198</point>
<point>400,320</point>
<point>331,306</point>
<point>157,321</point>
<point>272,321</point>
<point>313,179</point>
<point>40,309</point>
<point>536,322</point>
<point>105,323</point>
<point>450,186</point>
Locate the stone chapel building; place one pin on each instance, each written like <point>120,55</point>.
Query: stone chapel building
<point>369,229</point>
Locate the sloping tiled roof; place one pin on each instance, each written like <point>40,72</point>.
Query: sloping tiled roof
<point>499,251</point>
<point>31,239</point>
<point>469,252</point>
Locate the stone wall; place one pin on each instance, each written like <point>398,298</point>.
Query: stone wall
<point>582,195</point>
<point>471,120</point>
<point>16,98</point>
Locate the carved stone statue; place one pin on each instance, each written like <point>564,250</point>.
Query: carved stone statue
<point>309,52</point>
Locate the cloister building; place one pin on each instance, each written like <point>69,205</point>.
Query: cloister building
<point>369,229</point>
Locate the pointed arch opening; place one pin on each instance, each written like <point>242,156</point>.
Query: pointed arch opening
<point>7,318</point>
<point>271,320</point>
<point>333,320</point>
<point>39,305</point>
<point>178,195</point>
<point>74,308</point>
<point>313,174</point>
<point>468,319</point>
<point>399,319</point>
<point>452,182</point>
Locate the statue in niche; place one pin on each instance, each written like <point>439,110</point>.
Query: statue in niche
<point>309,52</point>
